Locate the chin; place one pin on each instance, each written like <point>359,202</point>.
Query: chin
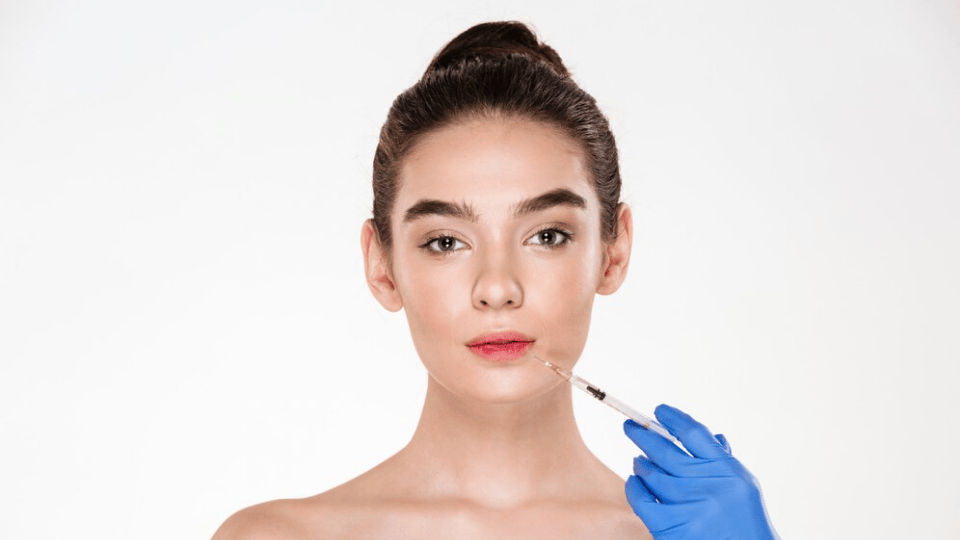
<point>500,386</point>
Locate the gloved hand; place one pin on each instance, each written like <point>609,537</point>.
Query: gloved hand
<point>704,495</point>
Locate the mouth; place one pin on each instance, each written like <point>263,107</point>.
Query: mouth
<point>500,338</point>
<point>502,346</point>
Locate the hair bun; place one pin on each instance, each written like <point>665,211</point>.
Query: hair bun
<point>496,40</point>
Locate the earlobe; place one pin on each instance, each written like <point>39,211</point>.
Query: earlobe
<point>376,268</point>
<point>617,256</point>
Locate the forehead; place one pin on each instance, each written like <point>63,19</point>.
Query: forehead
<point>492,162</point>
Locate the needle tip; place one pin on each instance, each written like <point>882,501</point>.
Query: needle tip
<point>557,369</point>
<point>544,362</point>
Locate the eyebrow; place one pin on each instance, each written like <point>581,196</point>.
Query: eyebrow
<point>550,199</point>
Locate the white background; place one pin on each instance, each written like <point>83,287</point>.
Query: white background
<point>184,325</point>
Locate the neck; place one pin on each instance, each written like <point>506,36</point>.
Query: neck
<point>500,454</point>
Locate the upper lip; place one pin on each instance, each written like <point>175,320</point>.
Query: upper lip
<point>499,337</point>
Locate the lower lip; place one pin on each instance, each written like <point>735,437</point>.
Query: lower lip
<point>501,352</point>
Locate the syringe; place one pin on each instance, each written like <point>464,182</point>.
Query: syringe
<point>594,391</point>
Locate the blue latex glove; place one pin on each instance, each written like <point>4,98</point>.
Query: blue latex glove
<point>704,495</point>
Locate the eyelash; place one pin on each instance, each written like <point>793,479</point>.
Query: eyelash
<point>565,238</point>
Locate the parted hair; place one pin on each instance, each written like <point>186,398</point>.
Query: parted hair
<point>495,70</point>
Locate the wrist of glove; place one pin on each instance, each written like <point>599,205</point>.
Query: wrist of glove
<point>701,493</point>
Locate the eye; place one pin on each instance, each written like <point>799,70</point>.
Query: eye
<point>443,244</point>
<point>551,237</point>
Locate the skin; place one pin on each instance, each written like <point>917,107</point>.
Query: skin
<point>497,452</point>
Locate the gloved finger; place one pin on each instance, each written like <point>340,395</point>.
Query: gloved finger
<point>637,492</point>
<point>667,489</point>
<point>723,441</point>
<point>664,453</point>
<point>696,438</point>
<point>655,516</point>
<point>672,458</point>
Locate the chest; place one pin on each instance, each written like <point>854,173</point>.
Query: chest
<point>487,524</point>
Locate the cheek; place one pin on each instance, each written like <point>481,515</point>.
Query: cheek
<point>565,301</point>
<point>428,299</point>
<point>575,283</point>
<point>566,293</point>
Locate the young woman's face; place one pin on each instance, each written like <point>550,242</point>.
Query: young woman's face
<point>496,229</point>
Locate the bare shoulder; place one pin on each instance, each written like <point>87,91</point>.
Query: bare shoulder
<point>346,511</point>
<point>328,516</point>
<point>285,519</point>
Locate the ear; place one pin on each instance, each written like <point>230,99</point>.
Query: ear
<point>617,255</point>
<point>376,267</point>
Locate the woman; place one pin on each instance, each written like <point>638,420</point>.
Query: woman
<point>496,220</point>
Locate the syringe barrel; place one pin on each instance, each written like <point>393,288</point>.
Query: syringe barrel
<point>625,409</point>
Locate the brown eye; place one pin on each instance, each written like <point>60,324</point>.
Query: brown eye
<point>446,243</point>
<point>548,237</point>
<point>551,238</point>
<point>443,244</point>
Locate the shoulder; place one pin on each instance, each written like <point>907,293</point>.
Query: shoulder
<point>327,516</point>
<point>286,519</point>
<point>343,512</point>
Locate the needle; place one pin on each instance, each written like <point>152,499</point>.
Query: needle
<point>594,391</point>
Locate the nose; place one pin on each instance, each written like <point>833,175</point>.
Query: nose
<point>497,285</point>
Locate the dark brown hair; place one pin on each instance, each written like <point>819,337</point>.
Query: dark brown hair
<point>495,69</point>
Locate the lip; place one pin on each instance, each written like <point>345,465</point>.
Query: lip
<point>501,346</point>
<point>499,337</point>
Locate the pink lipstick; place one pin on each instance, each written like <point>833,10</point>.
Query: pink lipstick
<point>501,346</point>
